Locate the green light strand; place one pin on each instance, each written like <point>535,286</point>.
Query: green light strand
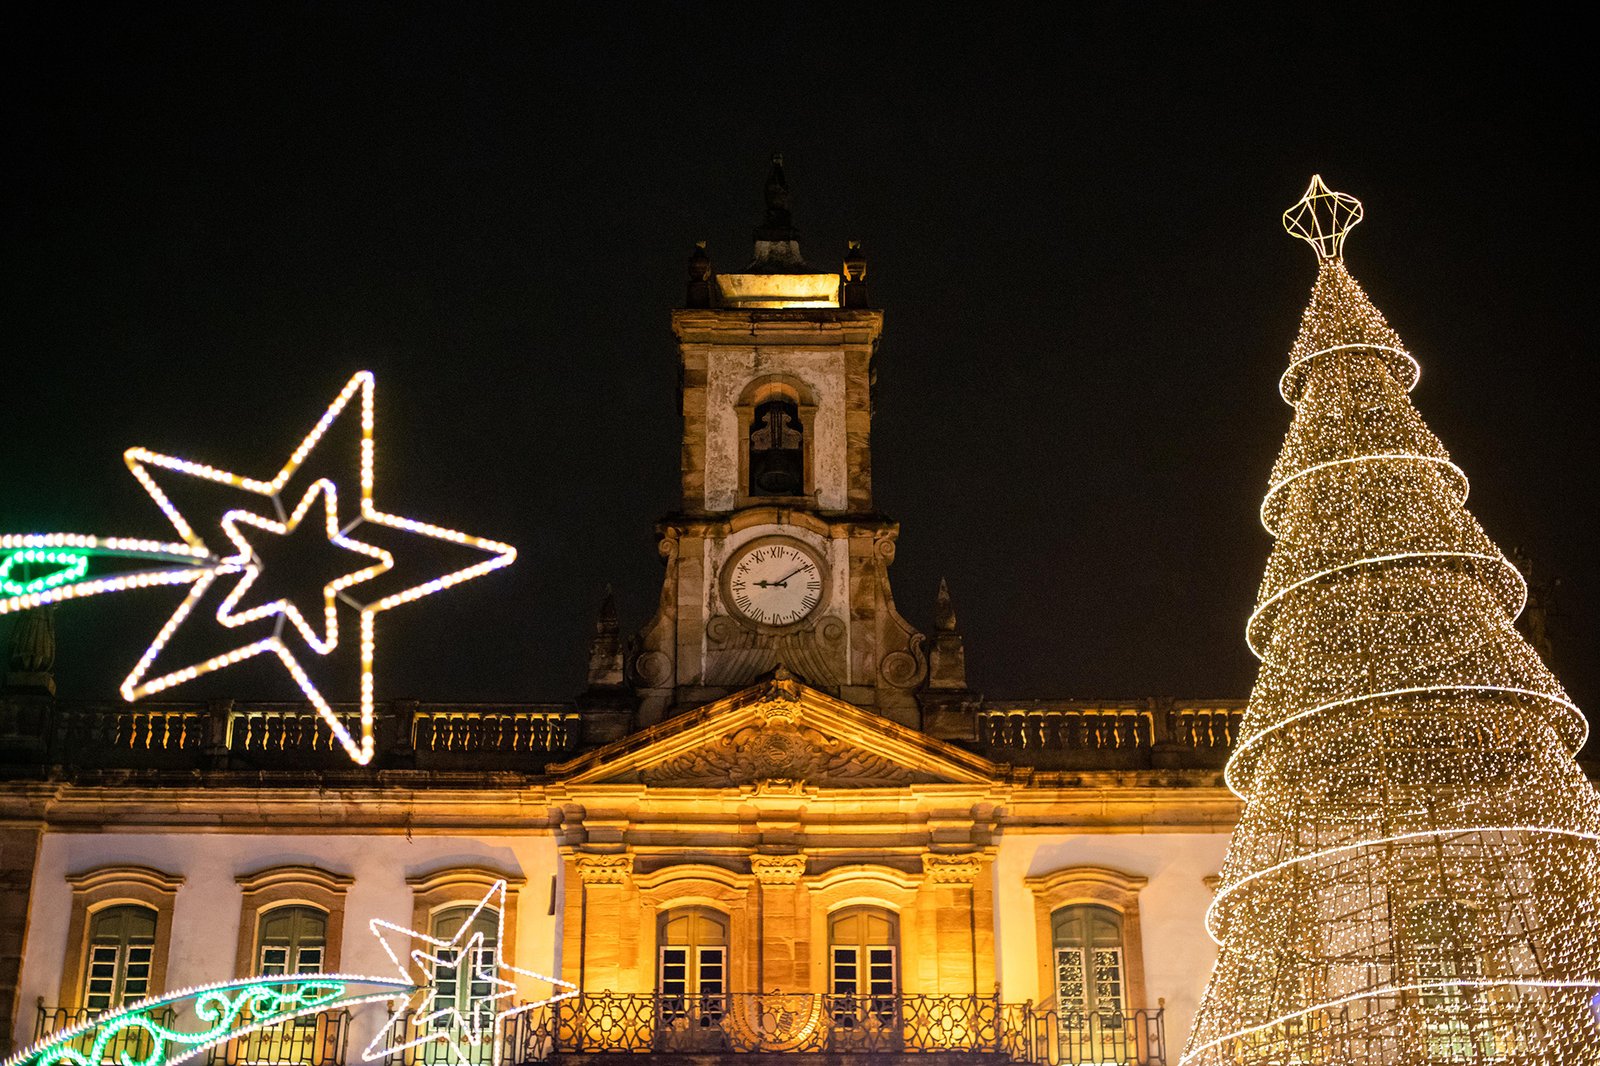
<point>74,566</point>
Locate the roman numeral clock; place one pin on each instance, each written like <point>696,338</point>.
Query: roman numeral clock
<point>774,582</point>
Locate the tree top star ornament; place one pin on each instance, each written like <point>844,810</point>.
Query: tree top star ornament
<point>46,568</point>
<point>440,964</point>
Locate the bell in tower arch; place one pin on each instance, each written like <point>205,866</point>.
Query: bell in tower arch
<point>777,448</point>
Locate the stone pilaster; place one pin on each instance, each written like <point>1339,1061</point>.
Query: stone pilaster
<point>785,922</point>
<point>948,922</point>
<point>607,954</point>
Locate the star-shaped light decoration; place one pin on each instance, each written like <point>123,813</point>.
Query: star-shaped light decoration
<point>1322,218</point>
<point>140,461</point>
<point>431,1019</point>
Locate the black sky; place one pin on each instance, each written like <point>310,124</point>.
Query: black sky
<point>213,217</point>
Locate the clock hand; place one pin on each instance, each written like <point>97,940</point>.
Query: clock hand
<point>784,581</point>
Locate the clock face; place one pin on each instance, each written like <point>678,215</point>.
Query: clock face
<point>773,582</point>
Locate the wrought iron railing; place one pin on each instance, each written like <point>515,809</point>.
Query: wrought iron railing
<point>127,1045</point>
<point>767,1023</point>
<point>312,1040</point>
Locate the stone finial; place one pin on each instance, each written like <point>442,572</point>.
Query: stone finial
<point>777,241</point>
<point>778,217</point>
<point>854,271</point>
<point>605,647</point>
<point>947,654</point>
<point>33,651</point>
<point>944,611</point>
<point>699,294</point>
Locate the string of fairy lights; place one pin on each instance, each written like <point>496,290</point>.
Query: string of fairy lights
<point>1415,875</point>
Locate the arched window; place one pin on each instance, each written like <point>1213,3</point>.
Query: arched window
<point>291,939</point>
<point>1437,938</point>
<point>693,970</point>
<point>863,964</point>
<point>121,947</point>
<point>458,983</point>
<point>777,443</point>
<point>1090,973</point>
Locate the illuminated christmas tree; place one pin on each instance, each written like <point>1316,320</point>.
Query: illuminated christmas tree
<point>1415,878</point>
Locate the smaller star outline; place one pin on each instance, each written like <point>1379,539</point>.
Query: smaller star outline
<point>464,953</point>
<point>330,592</point>
<point>140,461</point>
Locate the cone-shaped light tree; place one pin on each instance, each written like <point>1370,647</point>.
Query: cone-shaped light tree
<point>1415,877</point>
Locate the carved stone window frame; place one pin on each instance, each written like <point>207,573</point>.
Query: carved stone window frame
<point>867,885</point>
<point>1097,885</point>
<point>457,886</point>
<point>112,886</point>
<point>744,416</point>
<point>283,886</point>
<point>699,885</point>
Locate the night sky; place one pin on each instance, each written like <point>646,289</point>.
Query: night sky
<point>213,218</point>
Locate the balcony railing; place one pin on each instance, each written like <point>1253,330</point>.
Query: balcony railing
<point>272,736</point>
<point>314,1040</point>
<point>1065,734</point>
<point>767,1023</point>
<point>132,1044</point>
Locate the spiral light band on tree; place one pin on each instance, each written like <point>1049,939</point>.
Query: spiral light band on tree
<point>1415,876</point>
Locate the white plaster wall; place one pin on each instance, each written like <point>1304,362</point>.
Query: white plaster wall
<point>1178,953</point>
<point>205,923</point>
<point>728,371</point>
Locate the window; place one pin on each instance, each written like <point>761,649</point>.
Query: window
<point>1457,1027</point>
<point>777,444</point>
<point>863,972</point>
<point>459,985</point>
<point>292,940</point>
<point>1091,984</point>
<point>121,950</point>
<point>693,975</point>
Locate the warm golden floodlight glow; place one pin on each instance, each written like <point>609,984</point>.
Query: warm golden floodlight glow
<point>1415,877</point>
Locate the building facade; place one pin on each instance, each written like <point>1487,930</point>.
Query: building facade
<point>778,820</point>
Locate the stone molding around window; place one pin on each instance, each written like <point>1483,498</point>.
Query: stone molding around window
<point>280,886</point>
<point>881,887</point>
<point>110,886</point>
<point>458,885</point>
<point>699,885</point>
<point>1089,884</point>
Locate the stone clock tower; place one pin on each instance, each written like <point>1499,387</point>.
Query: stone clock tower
<point>776,557</point>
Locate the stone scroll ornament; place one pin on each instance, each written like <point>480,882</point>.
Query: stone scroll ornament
<point>44,568</point>
<point>145,1034</point>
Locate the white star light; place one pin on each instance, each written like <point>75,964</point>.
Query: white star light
<point>464,954</point>
<point>140,461</point>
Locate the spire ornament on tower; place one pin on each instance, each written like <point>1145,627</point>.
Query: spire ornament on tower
<point>1323,218</point>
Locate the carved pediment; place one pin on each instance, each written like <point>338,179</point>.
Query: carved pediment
<point>776,734</point>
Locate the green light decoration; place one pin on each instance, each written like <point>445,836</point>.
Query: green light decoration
<point>133,1036</point>
<point>71,566</point>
